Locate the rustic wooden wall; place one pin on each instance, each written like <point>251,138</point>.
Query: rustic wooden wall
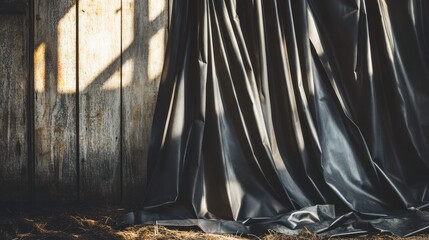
<point>77,97</point>
<point>143,45</point>
<point>99,99</point>
<point>14,75</point>
<point>55,100</point>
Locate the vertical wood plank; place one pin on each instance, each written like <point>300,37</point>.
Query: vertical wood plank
<point>99,46</point>
<point>14,79</point>
<point>144,24</point>
<point>55,100</point>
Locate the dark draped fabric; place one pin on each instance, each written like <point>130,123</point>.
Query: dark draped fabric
<point>292,114</point>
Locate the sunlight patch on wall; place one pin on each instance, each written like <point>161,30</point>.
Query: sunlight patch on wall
<point>127,73</point>
<point>99,60</point>
<point>67,52</point>
<point>40,68</point>
<point>113,82</point>
<point>156,8</point>
<point>156,54</point>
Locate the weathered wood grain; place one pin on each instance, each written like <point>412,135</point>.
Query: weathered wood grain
<point>143,42</point>
<point>99,47</point>
<point>14,79</point>
<point>55,101</point>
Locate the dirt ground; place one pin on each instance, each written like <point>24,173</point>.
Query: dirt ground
<point>96,222</point>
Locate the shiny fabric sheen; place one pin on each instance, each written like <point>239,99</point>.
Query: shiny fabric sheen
<point>283,115</point>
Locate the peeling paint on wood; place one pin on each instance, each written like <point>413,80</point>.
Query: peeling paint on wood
<point>55,101</point>
<point>13,107</point>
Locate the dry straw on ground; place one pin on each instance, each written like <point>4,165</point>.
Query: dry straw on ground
<point>83,222</point>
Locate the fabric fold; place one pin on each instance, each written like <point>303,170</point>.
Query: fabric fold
<point>288,115</point>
